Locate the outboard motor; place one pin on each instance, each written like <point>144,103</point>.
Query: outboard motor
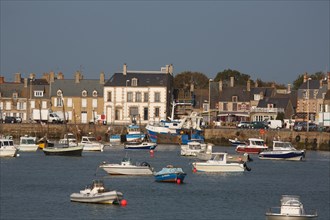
<point>145,164</point>
<point>246,167</point>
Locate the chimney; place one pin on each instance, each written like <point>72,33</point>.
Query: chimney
<point>305,77</point>
<point>60,75</point>
<point>248,85</point>
<point>220,85</point>
<point>25,82</point>
<point>256,84</point>
<point>102,78</point>
<point>51,77</point>
<point>77,77</point>
<point>2,79</point>
<point>289,89</point>
<point>171,69</point>
<point>32,76</point>
<point>124,69</point>
<point>17,78</point>
<point>231,81</point>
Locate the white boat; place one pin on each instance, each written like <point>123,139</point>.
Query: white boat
<point>236,142</point>
<point>283,151</point>
<point>291,209</point>
<point>192,148</point>
<point>7,148</point>
<point>69,139</point>
<point>255,146</point>
<point>97,193</point>
<point>91,144</point>
<point>205,154</point>
<point>126,167</point>
<point>218,163</point>
<point>28,143</point>
<point>140,145</point>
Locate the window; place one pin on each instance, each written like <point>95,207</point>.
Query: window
<point>84,93</point>
<point>305,95</point>
<point>130,97</point>
<point>145,97</point>
<point>157,96</point>
<point>234,106</point>
<point>138,97</point>
<point>94,93</point>
<point>84,103</point>
<point>256,97</point>
<point>38,93</point>
<point>117,113</point>
<point>134,82</point>
<point>225,106</point>
<point>32,104</point>
<point>157,112</point>
<point>234,99</point>
<point>94,103</point>
<point>59,92</point>
<point>270,106</point>
<point>58,102</point>
<point>145,114</point>
<point>133,111</point>
<point>20,105</point>
<point>69,102</point>
<point>44,104</point>
<point>109,97</point>
<point>15,95</point>
<point>205,107</point>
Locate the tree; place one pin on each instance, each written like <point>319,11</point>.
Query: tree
<point>240,78</point>
<point>184,79</point>
<point>300,79</point>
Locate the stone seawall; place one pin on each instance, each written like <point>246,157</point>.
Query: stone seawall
<point>218,136</point>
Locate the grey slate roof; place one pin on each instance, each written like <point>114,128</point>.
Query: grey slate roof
<point>7,89</point>
<point>277,102</point>
<point>70,88</point>
<point>144,79</point>
<point>266,91</point>
<point>228,92</point>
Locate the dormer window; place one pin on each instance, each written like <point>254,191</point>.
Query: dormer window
<point>38,93</point>
<point>15,95</point>
<point>59,92</point>
<point>234,99</point>
<point>134,82</point>
<point>94,93</point>
<point>84,93</point>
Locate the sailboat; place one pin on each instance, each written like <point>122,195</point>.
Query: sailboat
<point>66,148</point>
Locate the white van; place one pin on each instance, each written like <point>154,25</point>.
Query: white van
<point>275,124</point>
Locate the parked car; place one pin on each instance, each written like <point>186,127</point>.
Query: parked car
<point>258,125</point>
<point>10,119</point>
<point>298,125</point>
<point>243,124</point>
<point>302,126</point>
<point>18,120</point>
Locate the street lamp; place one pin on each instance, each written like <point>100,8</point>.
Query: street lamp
<point>127,81</point>
<point>210,80</point>
<point>308,104</point>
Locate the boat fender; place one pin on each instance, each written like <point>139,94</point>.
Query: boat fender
<point>246,167</point>
<point>297,138</point>
<point>145,164</point>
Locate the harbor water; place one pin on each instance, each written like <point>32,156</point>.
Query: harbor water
<point>35,186</point>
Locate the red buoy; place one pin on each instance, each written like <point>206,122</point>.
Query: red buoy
<point>178,181</point>
<point>123,202</point>
<point>151,153</point>
<point>194,170</point>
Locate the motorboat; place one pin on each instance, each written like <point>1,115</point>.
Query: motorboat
<point>205,154</point>
<point>126,167</point>
<point>7,148</point>
<point>219,163</point>
<point>170,174</point>
<point>63,150</point>
<point>192,148</point>
<point>69,139</point>
<point>236,142</point>
<point>170,131</point>
<point>97,193</point>
<point>283,151</point>
<point>291,209</point>
<point>255,146</point>
<point>115,138</point>
<point>140,145</point>
<point>90,143</point>
<point>134,133</point>
<point>44,142</point>
<point>27,143</point>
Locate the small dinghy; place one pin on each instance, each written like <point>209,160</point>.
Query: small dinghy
<point>97,193</point>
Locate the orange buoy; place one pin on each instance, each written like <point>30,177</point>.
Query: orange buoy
<point>178,181</point>
<point>123,202</point>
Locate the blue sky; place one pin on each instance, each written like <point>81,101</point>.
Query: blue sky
<point>269,40</point>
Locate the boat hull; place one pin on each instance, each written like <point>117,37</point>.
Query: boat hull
<point>28,148</point>
<point>249,150</point>
<point>290,217</point>
<point>291,155</point>
<point>116,169</point>
<point>170,177</point>
<point>137,146</point>
<point>8,152</point>
<point>164,138</point>
<point>63,151</point>
<point>102,198</point>
<point>207,167</point>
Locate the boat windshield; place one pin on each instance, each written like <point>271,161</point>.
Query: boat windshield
<point>283,145</point>
<point>259,143</point>
<point>218,157</point>
<point>7,143</point>
<point>27,141</point>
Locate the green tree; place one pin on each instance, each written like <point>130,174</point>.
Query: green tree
<point>300,79</point>
<point>184,79</point>
<point>240,78</point>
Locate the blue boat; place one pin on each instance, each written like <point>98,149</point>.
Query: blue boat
<point>170,174</point>
<point>140,145</point>
<point>282,151</point>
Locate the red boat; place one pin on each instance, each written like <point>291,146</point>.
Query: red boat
<point>255,146</point>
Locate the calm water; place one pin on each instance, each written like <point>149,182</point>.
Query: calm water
<point>35,186</point>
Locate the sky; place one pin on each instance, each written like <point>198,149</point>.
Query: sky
<point>268,40</point>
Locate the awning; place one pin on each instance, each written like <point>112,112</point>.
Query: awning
<point>223,115</point>
<point>234,114</point>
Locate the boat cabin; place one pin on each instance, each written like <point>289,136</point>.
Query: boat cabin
<point>6,142</point>
<point>256,142</point>
<point>291,205</point>
<point>27,140</point>
<point>280,145</point>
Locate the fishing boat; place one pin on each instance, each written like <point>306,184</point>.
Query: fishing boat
<point>90,143</point>
<point>134,133</point>
<point>126,167</point>
<point>140,145</point>
<point>283,151</point>
<point>255,146</point>
<point>219,163</point>
<point>170,174</point>
<point>44,142</point>
<point>63,150</point>
<point>291,209</point>
<point>170,131</point>
<point>69,139</point>
<point>7,148</point>
<point>97,193</point>
<point>27,143</point>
